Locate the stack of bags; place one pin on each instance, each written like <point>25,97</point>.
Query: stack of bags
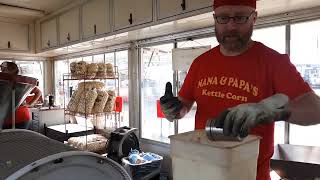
<point>91,98</point>
<point>83,69</point>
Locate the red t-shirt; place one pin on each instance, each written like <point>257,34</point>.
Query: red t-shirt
<point>22,115</point>
<point>22,112</point>
<point>217,82</point>
<point>30,97</point>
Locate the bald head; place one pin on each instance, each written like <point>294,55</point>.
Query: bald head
<point>10,67</point>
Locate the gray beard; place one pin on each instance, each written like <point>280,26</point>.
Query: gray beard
<point>237,45</point>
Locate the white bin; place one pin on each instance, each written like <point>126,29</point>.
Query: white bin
<point>195,157</point>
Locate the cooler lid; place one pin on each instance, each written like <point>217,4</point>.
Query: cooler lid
<point>78,165</point>
<point>20,147</point>
<point>28,155</point>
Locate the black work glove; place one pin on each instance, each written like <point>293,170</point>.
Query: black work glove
<point>239,120</point>
<point>170,105</point>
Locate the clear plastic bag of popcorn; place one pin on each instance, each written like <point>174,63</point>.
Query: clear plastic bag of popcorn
<point>109,70</point>
<point>88,85</point>
<point>92,142</point>
<point>110,102</point>
<point>86,103</point>
<point>74,101</point>
<point>101,70</point>
<point>73,69</point>
<point>81,68</point>
<point>101,101</point>
<point>85,86</point>
<point>92,70</point>
<point>98,85</point>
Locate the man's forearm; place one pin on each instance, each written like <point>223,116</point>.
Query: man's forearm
<point>34,99</point>
<point>184,110</point>
<point>305,110</point>
<point>187,105</point>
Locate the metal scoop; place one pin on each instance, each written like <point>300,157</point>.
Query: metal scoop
<point>216,134</point>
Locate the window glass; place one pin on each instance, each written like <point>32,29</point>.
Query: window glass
<point>188,122</point>
<point>61,67</point>
<point>156,70</point>
<point>88,59</point>
<point>305,55</point>
<point>71,86</point>
<point>1,61</point>
<point>122,64</point>
<point>210,41</point>
<point>109,58</point>
<point>98,58</point>
<point>277,42</point>
<point>32,69</point>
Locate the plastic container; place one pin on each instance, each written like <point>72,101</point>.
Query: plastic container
<point>136,159</point>
<point>194,156</point>
<point>139,171</point>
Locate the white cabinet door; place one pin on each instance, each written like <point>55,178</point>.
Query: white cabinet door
<point>168,8</point>
<point>198,4</point>
<point>69,26</point>
<point>14,36</point>
<point>49,35</point>
<point>129,13</point>
<point>95,18</point>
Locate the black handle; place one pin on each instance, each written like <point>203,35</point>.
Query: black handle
<point>9,45</point>
<point>68,37</point>
<point>183,5</point>
<point>48,43</point>
<point>130,19</point>
<point>95,29</point>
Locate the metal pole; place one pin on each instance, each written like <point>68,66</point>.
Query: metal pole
<point>115,83</point>
<point>286,124</point>
<point>175,92</point>
<point>105,82</point>
<point>13,107</point>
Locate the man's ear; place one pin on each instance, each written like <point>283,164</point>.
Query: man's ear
<point>255,17</point>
